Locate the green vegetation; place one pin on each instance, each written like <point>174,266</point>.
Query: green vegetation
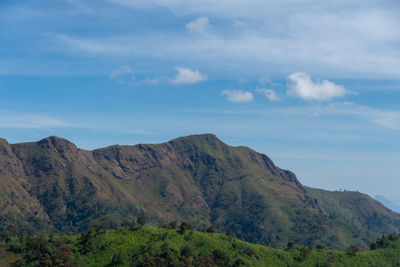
<point>52,186</point>
<point>148,246</point>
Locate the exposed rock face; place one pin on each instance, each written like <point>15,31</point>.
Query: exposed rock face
<point>53,185</point>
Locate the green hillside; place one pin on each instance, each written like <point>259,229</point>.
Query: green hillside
<point>53,186</point>
<point>149,246</point>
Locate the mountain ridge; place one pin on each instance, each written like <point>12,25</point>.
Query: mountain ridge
<point>52,185</point>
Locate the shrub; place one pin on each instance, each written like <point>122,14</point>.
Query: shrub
<point>304,251</point>
<point>248,251</point>
<point>117,259</point>
<point>186,251</point>
<point>230,233</point>
<point>352,250</point>
<point>221,257</point>
<point>203,261</point>
<point>141,220</point>
<point>126,224</point>
<point>164,236</point>
<point>211,229</point>
<point>184,227</point>
<point>289,245</point>
<point>147,249</point>
<point>173,224</point>
<point>238,262</point>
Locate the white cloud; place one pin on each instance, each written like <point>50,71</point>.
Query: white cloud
<point>264,80</point>
<point>121,71</point>
<point>31,121</point>
<point>153,81</point>
<point>303,87</point>
<point>240,23</point>
<point>238,96</point>
<point>186,75</point>
<point>198,25</point>
<point>123,75</point>
<point>269,93</point>
<point>384,118</point>
<point>332,38</point>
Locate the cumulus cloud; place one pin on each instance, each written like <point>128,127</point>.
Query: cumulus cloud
<point>302,86</point>
<point>238,96</point>
<point>198,25</point>
<point>269,93</point>
<point>186,75</point>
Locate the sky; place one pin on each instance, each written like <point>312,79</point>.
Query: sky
<point>315,85</point>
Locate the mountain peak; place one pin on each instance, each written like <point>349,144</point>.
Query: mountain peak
<point>200,138</point>
<point>4,147</point>
<point>3,141</point>
<point>205,142</point>
<point>58,143</point>
<point>206,136</point>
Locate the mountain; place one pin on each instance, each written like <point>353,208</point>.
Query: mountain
<point>51,185</point>
<point>388,203</point>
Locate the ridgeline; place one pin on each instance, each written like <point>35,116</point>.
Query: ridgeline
<point>54,187</point>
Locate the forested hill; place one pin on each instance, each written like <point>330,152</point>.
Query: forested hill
<point>148,246</point>
<point>51,185</point>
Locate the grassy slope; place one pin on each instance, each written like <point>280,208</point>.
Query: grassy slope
<point>128,244</point>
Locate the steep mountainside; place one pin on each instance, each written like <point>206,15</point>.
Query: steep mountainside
<point>53,185</point>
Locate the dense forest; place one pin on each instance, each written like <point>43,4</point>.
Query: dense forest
<point>173,244</point>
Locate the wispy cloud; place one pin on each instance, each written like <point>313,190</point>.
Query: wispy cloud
<point>238,96</point>
<point>153,81</point>
<point>333,38</point>
<point>386,118</point>
<point>31,121</point>
<point>186,75</point>
<point>303,87</point>
<point>269,94</point>
<point>108,46</point>
<point>123,75</point>
<point>198,25</point>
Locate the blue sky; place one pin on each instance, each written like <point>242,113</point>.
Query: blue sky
<point>315,85</point>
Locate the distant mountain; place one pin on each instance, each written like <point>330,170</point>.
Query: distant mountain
<point>388,203</point>
<point>54,186</point>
